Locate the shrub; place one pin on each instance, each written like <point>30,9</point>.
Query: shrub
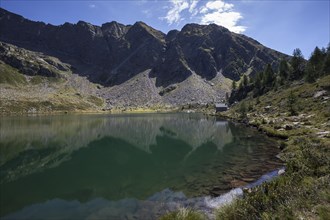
<point>242,110</point>
<point>292,100</point>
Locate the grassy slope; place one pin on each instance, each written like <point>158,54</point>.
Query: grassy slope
<point>9,75</point>
<point>22,94</point>
<point>303,192</point>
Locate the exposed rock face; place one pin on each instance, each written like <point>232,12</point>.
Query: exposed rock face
<point>31,63</point>
<point>113,54</point>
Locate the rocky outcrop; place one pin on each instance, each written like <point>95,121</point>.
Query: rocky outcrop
<point>30,63</point>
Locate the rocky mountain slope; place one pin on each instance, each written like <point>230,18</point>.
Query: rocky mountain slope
<point>34,82</point>
<point>136,65</point>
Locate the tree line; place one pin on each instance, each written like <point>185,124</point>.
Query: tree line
<point>288,70</point>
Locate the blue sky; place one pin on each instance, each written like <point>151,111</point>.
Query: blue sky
<point>281,25</point>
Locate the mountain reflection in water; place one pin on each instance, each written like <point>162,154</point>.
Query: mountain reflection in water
<point>115,157</point>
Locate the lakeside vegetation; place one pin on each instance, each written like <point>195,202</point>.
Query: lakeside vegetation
<point>293,105</point>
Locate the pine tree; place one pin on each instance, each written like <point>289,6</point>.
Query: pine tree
<point>326,63</point>
<point>316,57</point>
<point>257,85</point>
<point>297,64</point>
<point>269,76</point>
<point>315,64</point>
<point>283,70</point>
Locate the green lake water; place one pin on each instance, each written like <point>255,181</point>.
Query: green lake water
<point>52,163</point>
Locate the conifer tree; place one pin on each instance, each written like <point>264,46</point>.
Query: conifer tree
<point>297,64</point>
<point>257,85</point>
<point>283,70</point>
<point>326,63</point>
<point>315,64</point>
<point>268,76</point>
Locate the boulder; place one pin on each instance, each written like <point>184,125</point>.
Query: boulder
<point>288,127</point>
<point>320,93</point>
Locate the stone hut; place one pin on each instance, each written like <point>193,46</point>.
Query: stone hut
<point>221,107</point>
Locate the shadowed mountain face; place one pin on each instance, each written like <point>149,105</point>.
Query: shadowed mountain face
<point>114,52</point>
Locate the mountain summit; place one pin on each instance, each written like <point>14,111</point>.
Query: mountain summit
<point>194,65</point>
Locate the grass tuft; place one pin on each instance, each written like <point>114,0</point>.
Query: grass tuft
<point>184,214</point>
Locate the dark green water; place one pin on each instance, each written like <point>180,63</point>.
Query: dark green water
<point>86,157</point>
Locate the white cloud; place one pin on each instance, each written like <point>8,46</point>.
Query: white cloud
<point>205,12</point>
<point>192,7</point>
<point>221,13</point>
<point>92,6</point>
<point>228,19</point>
<point>174,14</point>
<point>216,5</point>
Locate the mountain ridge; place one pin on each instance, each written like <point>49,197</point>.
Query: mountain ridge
<point>193,65</point>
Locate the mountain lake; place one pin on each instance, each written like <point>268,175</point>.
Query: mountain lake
<point>125,166</point>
